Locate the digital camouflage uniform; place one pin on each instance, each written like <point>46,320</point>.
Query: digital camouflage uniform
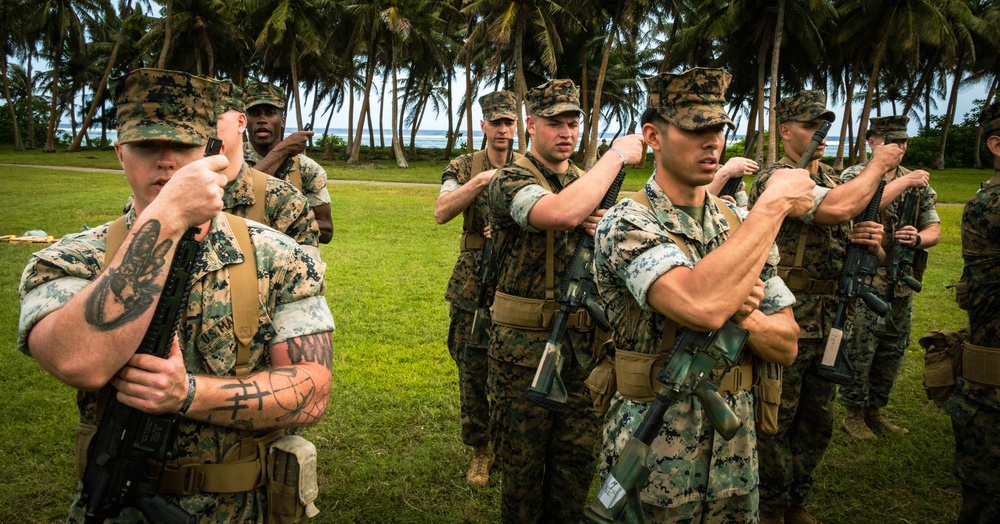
<point>548,457</point>
<point>463,286</point>
<point>290,284</point>
<point>975,408</point>
<point>805,417</point>
<point>877,362</point>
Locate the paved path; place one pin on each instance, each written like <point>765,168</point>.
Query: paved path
<point>120,172</point>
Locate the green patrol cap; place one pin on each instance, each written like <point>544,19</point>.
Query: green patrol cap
<point>232,98</point>
<point>989,117</point>
<point>501,104</point>
<point>553,98</point>
<point>890,127</point>
<point>692,100</point>
<point>258,93</point>
<point>154,104</point>
<point>804,106</point>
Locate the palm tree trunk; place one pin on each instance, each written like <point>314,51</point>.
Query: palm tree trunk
<point>99,92</point>
<point>381,113</point>
<point>50,135</point>
<point>18,144</point>
<point>167,36</point>
<point>859,147</point>
<point>759,98</point>
<point>849,99</point>
<point>584,102</point>
<point>468,102</point>
<point>397,148</point>
<point>356,146</point>
<point>451,121</point>
<point>949,115</point>
<point>520,83</point>
<point>294,63</point>
<point>328,152</point>
<point>350,114</point>
<point>31,100</point>
<point>772,124</point>
<point>595,113</point>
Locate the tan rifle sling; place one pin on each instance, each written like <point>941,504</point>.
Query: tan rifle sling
<point>295,173</point>
<point>473,240</point>
<point>242,277</point>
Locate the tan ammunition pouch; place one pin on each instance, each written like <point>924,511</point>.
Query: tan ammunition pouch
<point>767,396</point>
<point>602,381</point>
<point>942,361</point>
<point>242,468</point>
<point>292,481</point>
<point>981,364</point>
<point>84,434</point>
<point>798,279</point>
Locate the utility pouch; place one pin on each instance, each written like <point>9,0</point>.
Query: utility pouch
<point>601,382</point>
<point>84,434</point>
<point>523,313</point>
<point>636,374</point>
<point>942,362</point>
<point>767,397</point>
<point>291,481</point>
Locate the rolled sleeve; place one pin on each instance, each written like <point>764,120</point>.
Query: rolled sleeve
<point>523,201</point>
<point>303,317</point>
<point>777,296</point>
<point>651,265</point>
<point>449,185</point>
<point>39,301</point>
<point>819,194</point>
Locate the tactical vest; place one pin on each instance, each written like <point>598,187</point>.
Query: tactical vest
<point>637,372</point>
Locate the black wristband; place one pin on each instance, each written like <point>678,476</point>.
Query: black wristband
<point>190,396</point>
<point>917,243</point>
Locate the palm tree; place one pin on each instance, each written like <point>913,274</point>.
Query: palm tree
<point>12,24</point>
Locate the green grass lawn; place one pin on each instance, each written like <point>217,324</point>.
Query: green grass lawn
<point>389,445</point>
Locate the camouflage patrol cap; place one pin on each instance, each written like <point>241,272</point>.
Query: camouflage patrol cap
<point>501,104</point>
<point>804,106</point>
<point>553,98</point>
<point>154,104</point>
<point>692,100</point>
<point>259,93</point>
<point>890,127</point>
<point>989,117</point>
<point>232,98</point>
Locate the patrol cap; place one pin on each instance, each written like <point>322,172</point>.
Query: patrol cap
<point>692,100</point>
<point>260,93</point>
<point>804,106</point>
<point>154,104</point>
<point>553,98</point>
<point>232,98</point>
<point>989,117</point>
<point>497,105</point>
<point>890,127</point>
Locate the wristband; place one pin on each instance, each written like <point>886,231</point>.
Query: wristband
<point>190,396</point>
<point>619,153</point>
<point>917,243</point>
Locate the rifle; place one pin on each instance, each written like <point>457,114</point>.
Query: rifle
<point>733,184</point>
<point>686,373</point>
<point>898,257</point>
<point>127,455</point>
<point>855,281</point>
<point>578,290</point>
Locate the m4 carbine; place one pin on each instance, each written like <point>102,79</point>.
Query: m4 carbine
<point>686,373</point>
<point>127,454</point>
<point>578,290</point>
<point>897,260</point>
<point>855,278</point>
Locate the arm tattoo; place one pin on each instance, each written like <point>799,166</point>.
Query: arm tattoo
<point>245,393</point>
<point>310,348</point>
<point>127,291</point>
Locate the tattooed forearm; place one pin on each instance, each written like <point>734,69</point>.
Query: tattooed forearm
<point>311,348</point>
<point>246,394</point>
<point>127,291</point>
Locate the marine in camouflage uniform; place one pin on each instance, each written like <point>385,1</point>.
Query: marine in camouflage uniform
<point>805,417</point>
<point>68,290</point>
<point>975,407</point>
<point>463,185</point>
<point>698,476</point>
<point>266,141</point>
<point>547,456</point>
<point>876,361</point>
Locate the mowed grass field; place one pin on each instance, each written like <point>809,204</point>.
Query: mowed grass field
<point>389,446</point>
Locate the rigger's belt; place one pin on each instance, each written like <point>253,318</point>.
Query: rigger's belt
<point>243,468</point>
<point>796,277</point>
<point>636,374</point>
<point>981,364</point>
<point>534,313</point>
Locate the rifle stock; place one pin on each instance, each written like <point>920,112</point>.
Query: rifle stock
<point>859,267</point>
<point>686,373</point>
<point>578,290</point>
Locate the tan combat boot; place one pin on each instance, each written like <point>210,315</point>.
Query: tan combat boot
<point>479,471</point>
<point>799,515</point>
<point>877,421</point>
<point>854,425</point>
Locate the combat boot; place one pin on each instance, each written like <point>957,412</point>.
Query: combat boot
<point>854,425</point>
<point>799,515</point>
<point>771,517</point>
<point>877,421</point>
<point>479,471</point>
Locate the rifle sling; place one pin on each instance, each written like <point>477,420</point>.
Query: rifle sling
<point>473,240</point>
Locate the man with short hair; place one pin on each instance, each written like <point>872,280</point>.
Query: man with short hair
<point>974,407</point>
<point>86,306</point>
<point>284,158</point>
<point>539,208</point>
<point>679,263</point>
<point>813,247</point>
<point>463,186</point>
<point>876,348</point>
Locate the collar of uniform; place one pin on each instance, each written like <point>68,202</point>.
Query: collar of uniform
<point>239,192</point>
<point>563,179</point>
<point>681,223</point>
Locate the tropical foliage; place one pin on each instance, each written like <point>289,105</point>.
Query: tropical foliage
<point>907,55</point>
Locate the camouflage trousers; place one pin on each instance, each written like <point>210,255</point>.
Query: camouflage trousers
<point>975,417</point>
<point>473,369</point>
<point>805,427</point>
<point>741,509</point>
<point>876,362</point>
<point>548,457</point>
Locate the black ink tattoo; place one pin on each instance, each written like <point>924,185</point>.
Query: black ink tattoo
<point>127,291</point>
<point>311,348</point>
<point>294,393</point>
<point>247,392</point>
